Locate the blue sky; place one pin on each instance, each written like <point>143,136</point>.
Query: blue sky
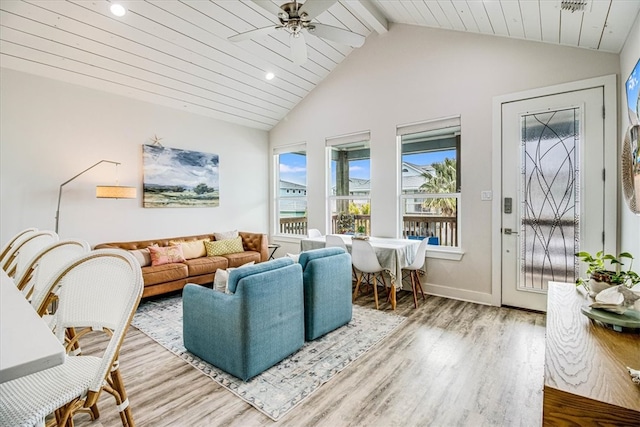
<point>293,166</point>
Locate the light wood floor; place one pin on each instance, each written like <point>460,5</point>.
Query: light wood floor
<point>452,363</point>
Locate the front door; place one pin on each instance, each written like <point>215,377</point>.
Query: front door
<point>553,191</point>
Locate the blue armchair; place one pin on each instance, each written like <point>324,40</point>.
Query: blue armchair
<point>327,290</point>
<point>252,329</point>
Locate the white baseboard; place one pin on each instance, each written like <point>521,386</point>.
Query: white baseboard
<point>458,294</point>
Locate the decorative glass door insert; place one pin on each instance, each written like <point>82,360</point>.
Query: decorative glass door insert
<point>550,198</point>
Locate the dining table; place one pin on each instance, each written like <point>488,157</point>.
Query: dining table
<point>27,344</point>
<point>393,255</point>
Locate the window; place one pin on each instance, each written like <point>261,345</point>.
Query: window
<point>430,181</point>
<point>291,189</point>
<point>350,183</point>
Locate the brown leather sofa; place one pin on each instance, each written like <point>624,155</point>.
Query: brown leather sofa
<point>165,278</point>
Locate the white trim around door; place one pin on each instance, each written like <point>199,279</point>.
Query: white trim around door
<point>610,165</point>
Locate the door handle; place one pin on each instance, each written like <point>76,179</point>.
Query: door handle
<point>509,231</point>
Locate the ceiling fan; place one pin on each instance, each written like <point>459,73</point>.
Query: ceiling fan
<point>295,18</point>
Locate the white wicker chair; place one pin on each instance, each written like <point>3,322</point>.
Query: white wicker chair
<point>9,245</point>
<point>413,269</point>
<point>25,248</point>
<point>42,268</point>
<point>100,291</point>
<point>365,260</point>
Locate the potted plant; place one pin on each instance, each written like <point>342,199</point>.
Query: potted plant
<point>361,233</point>
<point>605,270</point>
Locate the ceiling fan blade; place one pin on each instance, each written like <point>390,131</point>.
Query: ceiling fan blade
<point>298,48</point>
<point>314,8</point>
<point>336,34</point>
<point>254,34</point>
<point>269,6</point>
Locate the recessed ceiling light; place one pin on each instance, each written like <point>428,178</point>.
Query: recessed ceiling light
<point>118,9</point>
<point>269,76</point>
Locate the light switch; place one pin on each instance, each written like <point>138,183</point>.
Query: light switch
<point>486,195</point>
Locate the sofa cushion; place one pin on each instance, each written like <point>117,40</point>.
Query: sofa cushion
<point>223,247</point>
<point>164,273</point>
<point>143,256</point>
<point>192,249</point>
<point>166,255</point>
<point>241,258</point>
<point>224,235</point>
<point>205,265</point>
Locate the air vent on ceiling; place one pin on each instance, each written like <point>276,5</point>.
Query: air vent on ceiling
<point>573,5</point>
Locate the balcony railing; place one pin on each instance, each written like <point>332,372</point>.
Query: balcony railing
<point>444,228</point>
<point>296,225</point>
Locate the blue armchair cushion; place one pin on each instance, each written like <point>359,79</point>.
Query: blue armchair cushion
<point>254,328</point>
<point>327,290</point>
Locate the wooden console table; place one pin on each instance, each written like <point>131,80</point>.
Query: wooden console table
<point>585,377</point>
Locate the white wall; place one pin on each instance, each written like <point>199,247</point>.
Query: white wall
<point>413,74</point>
<point>629,223</point>
<point>50,131</point>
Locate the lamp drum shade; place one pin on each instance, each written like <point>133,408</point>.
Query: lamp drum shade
<point>115,192</point>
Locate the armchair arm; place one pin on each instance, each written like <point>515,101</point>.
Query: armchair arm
<point>211,324</point>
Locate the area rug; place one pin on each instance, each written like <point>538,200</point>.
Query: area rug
<point>279,389</point>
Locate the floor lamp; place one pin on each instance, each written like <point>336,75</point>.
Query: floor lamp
<point>102,191</point>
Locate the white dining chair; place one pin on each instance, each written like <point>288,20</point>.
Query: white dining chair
<point>335,241</point>
<point>365,260</point>
<point>414,268</point>
<point>314,232</point>
<point>10,244</point>
<point>25,248</point>
<point>43,266</point>
<point>101,292</point>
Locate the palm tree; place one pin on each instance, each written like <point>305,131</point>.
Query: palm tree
<point>442,181</point>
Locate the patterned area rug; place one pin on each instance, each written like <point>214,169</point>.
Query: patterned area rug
<point>280,388</point>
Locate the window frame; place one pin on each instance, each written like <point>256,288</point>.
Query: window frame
<point>278,197</point>
<point>453,122</point>
<point>363,137</point>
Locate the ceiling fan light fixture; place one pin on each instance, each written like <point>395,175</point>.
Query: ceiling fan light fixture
<point>295,18</point>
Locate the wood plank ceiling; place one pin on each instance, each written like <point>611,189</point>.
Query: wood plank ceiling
<point>176,53</point>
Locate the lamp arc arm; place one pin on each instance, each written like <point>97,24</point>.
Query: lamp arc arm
<point>71,179</point>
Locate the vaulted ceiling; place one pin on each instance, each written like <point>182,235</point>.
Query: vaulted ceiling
<point>176,52</point>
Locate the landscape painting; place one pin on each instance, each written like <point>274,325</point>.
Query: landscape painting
<point>175,178</point>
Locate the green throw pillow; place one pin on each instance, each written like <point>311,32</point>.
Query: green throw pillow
<point>223,247</point>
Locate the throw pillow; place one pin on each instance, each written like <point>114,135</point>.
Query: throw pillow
<point>223,247</point>
<point>220,280</point>
<point>166,254</point>
<point>142,256</point>
<point>222,277</point>
<point>294,257</point>
<point>225,235</point>
<point>192,249</point>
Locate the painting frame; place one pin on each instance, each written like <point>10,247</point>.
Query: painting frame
<point>179,178</point>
